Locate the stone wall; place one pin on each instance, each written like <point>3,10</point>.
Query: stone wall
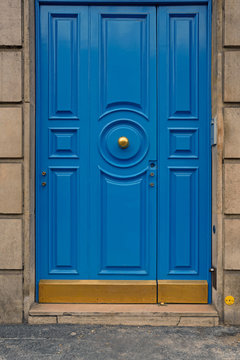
<point>226,156</point>
<point>16,99</point>
<point>231,158</point>
<point>17,143</point>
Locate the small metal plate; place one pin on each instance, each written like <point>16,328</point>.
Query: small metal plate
<point>183,291</point>
<point>98,291</point>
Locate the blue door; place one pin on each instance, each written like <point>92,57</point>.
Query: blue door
<point>184,144</point>
<point>123,171</point>
<point>97,143</point>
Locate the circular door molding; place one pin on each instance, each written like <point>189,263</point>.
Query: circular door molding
<point>137,143</point>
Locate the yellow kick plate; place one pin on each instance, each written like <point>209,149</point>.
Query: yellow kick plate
<point>183,291</point>
<point>98,291</point>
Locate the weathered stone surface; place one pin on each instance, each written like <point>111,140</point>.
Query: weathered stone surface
<point>232,132</point>
<point>232,287</point>
<point>10,78</point>
<point>133,310</point>
<point>10,22</point>
<point>232,76</point>
<point>116,319</point>
<point>232,189</point>
<point>10,298</point>
<point>232,23</point>
<point>232,244</point>
<point>10,132</point>
<point>10,244</point>
<point>42,320</point>
<point>10,188</point>
<point>198,321</point>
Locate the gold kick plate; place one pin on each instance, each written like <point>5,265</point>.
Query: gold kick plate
<point>183,291</point>
<point>123,292</point>
<point>98,291</point>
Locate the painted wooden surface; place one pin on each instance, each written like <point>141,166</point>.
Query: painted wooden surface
<point>99,69</point>
<point>184,144</point>
<point>97,83</point>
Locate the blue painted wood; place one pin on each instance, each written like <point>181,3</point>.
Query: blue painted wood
<point>62,139</point>
<point>97,213</point>
<point>96,81</point>
<point>63,186</point>
<point>123,93</point>
<point>128,2</point>
<point>184,144</point>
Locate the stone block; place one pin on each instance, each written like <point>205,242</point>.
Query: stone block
<point>10,188</point>
<point>232,132</point>
<point>232,76</point>
<point>232,244</point>
<point>232,189</point>
<point>116,319</point>
<point>10,244</point>
<point>32,320</point>
<point>11,298</point>
<point>198,321</point>
<point>10,78</point>
<point>10,22</point>
<point>232,287</point>
<point>232,23</point>
<point>10,132</point>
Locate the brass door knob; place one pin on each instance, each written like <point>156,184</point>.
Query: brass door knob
<point>123,142</point>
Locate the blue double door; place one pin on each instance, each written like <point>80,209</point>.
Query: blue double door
<point>123,143</point>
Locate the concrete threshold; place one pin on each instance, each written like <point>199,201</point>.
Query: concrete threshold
<point>125,314</point>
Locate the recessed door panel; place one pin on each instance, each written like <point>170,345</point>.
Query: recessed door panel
<point>124,61</point>
<point>183,204</point>
<point>63,219</point>
<point>63,69</point>
<point>123,232</point>
<point>183,31</point>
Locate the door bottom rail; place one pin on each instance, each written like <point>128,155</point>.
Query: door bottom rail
<point>123,291</point>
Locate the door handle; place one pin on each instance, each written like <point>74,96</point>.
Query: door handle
<point>123,142</point>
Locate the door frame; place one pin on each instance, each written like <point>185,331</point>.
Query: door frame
<point>38,3</point>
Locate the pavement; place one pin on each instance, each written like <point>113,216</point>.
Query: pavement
<point>96,342</point>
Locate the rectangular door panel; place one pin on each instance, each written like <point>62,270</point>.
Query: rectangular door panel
<point>63,219</point>
<point>124,61</point>
<point>183,65</point>
<point>63,60</point>
<point>124,233</point>
<point>183,204</point>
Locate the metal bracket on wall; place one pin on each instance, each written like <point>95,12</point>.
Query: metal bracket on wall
<point>213,272</point>
<point>214,132</point>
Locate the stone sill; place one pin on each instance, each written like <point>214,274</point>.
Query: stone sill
<point>124,314</point>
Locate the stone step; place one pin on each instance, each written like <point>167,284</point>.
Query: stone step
<point>125,314</point>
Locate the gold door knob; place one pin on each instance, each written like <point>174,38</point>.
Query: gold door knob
<point>123,142</point>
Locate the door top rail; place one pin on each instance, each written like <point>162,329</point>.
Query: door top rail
<point>119,2</point>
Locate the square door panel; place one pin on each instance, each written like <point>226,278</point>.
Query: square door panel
<point>183,143</point>
<point>63,143</point>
